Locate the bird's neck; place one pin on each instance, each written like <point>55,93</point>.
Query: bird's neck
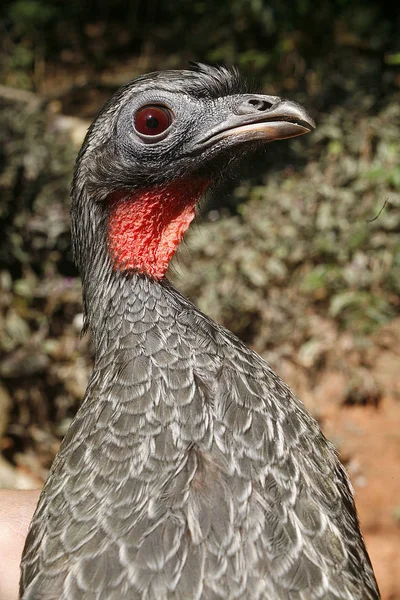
<point>126,309</point>
<point>123,245</point>
<point>146,227</point>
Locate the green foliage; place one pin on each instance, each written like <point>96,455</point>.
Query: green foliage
<point>36,165</point>
<point>29,17</point>
<point>328,238</point>
<point>264,39</point>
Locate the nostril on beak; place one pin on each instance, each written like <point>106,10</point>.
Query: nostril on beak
<point>257,104</point>
<point>260,104</point>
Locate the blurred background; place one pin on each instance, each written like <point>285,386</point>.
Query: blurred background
<point>300,256</point>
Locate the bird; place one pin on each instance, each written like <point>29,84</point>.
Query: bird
<point>191,470</point>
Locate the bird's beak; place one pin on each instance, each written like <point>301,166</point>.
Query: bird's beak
<point>284,119</point>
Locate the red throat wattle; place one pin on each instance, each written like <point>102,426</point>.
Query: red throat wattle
<point>145,228</point>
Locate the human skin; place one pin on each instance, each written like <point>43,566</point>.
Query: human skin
<point>16,510</point>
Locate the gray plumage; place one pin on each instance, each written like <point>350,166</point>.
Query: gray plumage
<point>191,470</point>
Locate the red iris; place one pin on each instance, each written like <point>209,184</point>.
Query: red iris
<point>152,120</point>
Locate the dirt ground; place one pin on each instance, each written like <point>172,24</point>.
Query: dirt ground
<point>368,438</point>
<point>371,442</point>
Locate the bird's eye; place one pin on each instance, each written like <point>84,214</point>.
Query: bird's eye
<point>152,120</point>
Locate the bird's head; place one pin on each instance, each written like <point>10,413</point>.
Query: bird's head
<point>159,142</point>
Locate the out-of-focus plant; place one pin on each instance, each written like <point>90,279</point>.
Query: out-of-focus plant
<point>327,238</point>
<point>292,39</point>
